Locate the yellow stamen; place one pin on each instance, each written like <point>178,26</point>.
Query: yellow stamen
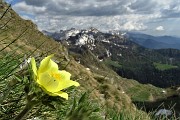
<point>55,75</point>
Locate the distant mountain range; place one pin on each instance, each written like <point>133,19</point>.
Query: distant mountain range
<point>154,42</point>
<point>120,52</point>
<point>148,41</point>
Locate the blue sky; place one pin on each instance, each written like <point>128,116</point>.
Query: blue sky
<point>155,17</point>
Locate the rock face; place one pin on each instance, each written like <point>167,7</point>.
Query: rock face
<point>101,44</point>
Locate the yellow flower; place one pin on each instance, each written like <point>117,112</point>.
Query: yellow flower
<point>50,79</point>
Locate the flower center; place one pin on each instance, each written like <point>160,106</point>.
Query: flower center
<point>55,75</point>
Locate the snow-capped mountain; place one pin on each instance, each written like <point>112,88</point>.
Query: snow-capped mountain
<point>92,47</point>
<point>93,39</point>
<point>88,37</point>
<point>80,37</point>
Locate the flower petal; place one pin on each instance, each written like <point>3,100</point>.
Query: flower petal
<point>47,65</point>
<point>33,64</point>
<point>48,82</point>
<point>61,94</point>
<point>64,75</point>
<point>67,83</point>
<point>64,80</point>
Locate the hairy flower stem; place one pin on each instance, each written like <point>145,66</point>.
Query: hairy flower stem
<point>30,104</point>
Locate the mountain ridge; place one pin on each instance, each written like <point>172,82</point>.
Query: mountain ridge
<point>155,42</point>
<point>123,55</point>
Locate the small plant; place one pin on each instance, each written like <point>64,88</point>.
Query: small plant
<point>31,92</point>
<point>49,79</point>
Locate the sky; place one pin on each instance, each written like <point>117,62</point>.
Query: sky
<point>154,17</point>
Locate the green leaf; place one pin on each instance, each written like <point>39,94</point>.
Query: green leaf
<point>82,99</point>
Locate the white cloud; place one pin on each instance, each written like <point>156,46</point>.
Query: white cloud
<point>103,14</point>
<point>22,7</point>
<point>55,23</point>
<point>133,26</point>
<point>160,28</point>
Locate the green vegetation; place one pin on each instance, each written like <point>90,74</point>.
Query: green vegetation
<point>144,93</point>
<point>111,63</point>
<point>162,67</point>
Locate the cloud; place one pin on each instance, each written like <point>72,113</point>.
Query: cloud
<point>169,8</point>
<point>22,7</point>
<point>144,6</point>
<point>53,23</point>
<point>37,3</point>
<point>79,7</point>
<point>160,28</point>
<point>134,26</point>
<point>103,7</point>
<point>102,14</point>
